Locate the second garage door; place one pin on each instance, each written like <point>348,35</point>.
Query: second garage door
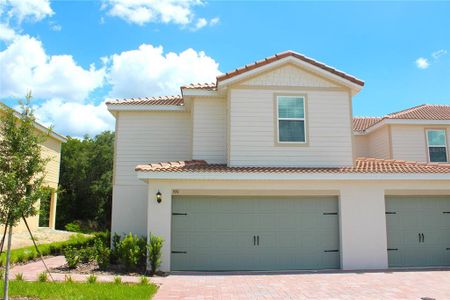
<point>254,233</point>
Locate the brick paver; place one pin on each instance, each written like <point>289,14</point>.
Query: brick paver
<point>416,284</point>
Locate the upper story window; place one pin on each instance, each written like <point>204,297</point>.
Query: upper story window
<point>437,145</point>
<point>291,119</point>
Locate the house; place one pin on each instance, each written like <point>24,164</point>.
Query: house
<point>51,149</point>
<point>264,170</point>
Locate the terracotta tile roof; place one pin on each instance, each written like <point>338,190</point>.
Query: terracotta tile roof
<point>285,54</point>
<point>203,86</point>
<point>363,165</point>
<point>163,100</point>
<point>362,123</point>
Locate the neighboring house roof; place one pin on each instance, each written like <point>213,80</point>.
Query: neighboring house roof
<point>37,125</point>
<point>176,100</point>
<point>362,165</point>
<point>420,112</point>
<point>285,54</point>
<point>203,86</point>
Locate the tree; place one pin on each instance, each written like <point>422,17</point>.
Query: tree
<point>22,170</point>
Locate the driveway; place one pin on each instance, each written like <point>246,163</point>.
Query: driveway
<point>417,284</point>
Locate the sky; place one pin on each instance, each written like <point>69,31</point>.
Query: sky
<point>73,55</point>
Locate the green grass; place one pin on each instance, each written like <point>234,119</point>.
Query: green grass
<point>78,291</point>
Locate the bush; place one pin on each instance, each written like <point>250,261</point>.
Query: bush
<point>103,254</point>
<point>154,252</point>
<point>92,278</point>
<point>72,257</point>
<point>19,276</point>
<point>132,251</point>
<point>2,274</point>
<point>87,254</point>
<point>73,227</point>
<point>43,277</point>
<point>115,253</point>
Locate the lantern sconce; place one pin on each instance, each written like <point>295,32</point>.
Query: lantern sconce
<point>158,197</point>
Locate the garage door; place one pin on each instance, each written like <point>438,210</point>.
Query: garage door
<point>254,233</point>
<point>418,231</point>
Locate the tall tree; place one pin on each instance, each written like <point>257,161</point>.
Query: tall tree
<point>22,170</point>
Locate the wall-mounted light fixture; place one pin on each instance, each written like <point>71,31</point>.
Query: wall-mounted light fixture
<point>158,197</point>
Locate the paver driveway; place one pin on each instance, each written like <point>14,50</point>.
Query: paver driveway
<point>418,284</point>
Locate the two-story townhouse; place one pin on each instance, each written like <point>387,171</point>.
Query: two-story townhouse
<point>260,171</point>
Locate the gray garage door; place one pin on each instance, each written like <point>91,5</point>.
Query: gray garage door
<point>418,231</point>
<point>254,233</point>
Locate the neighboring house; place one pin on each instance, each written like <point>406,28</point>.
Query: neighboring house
<point>51,148</point>
<point>260,171</point>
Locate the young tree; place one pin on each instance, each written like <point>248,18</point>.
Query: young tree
<point>22,170</point>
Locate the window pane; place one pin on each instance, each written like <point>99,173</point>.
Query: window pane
<point>290,107</point>
<point>291,131</point>
<point>436,137</point>
<point>438,154</point>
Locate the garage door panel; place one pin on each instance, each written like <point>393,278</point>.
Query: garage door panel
<point>218,233</point>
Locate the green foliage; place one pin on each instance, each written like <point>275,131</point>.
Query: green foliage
<point>115,255</point>
<point>43,277</point>
<point>154,252</point>
<point>80,291</point>
<point>22,168</point>
<point>132,251</point>
<point>2,274</point>
<point>87,254</point>
<point>73,227</point>
<point>103,254</point>
<point>86,182</point>
<point>143,280</point>
<point>72,257</point>
<point>68,279</point>
<point>57,248</point>
<point>19,276</point>
<point>44,208</point>
<point>117,279</point>
<point>91,278</point>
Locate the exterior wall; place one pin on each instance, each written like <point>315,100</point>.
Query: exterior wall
<point>409,142</point>
<point>361,146</point>
<point>363,237</point>
<point>379,143</point>
<point>209,130</point>
<point>252,137</point>
<point>144,137</point>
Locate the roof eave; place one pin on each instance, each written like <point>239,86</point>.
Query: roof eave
<point>144,107</point>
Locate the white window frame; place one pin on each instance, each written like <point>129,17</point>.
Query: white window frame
<point>445,143</point>
<point>291,119</point>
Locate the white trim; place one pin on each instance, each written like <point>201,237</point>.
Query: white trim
<point>286,176</point>
<point>440,146</point>
<point>353,86</point>
<point>401,122</point>
<point>144,107</point>
<point>291,119</point>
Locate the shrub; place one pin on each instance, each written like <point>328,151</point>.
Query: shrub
<point>20,258</point>
<point>154,252</point>
<point>68,279</point>
<point>143,280</point>
<point>2,274</point>
<point>115,253</point>
<point>43,277</point>
<point>73,227</point>
<point>103,254</point>
<point>87,254</point>
<point>92,278</point>
<point>117,280</point>
<point>132,251</point>
<point>72,257</point>
<point>19,276</point>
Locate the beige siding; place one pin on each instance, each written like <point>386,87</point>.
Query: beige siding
<point>253,136</point>
<point>361,146</point>
<point>378,142</point>
<point>409,142</point>
<point>51,149</point>
<point>209,130</point>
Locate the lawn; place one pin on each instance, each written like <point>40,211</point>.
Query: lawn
<point>76,291</point>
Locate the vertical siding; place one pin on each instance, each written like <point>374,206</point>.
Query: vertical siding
<point>409,142</point>
<point>361,146</point>
<point>378,142</point>
<point>209,130</point>
<point>252,130</point>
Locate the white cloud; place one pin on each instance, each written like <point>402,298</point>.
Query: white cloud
<point>26,66</point>
<point>214,21</point>
<point>150,11</point>
<point>438,54</point>
<point>422,63</point>
<point>202,22</point>
<point>36,10</point>
<point>55,26</point>
<point>75,119</point>
<point>148,71</point>
<point>6,33</point>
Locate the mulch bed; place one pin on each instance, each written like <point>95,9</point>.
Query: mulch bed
<point>92,268</point>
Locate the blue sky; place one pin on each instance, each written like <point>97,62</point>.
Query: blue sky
<point>92,50</point>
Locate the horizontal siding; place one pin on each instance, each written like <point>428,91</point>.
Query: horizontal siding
<point>361,146</point>
<point>51,149</point>
<point>209,130</point>
<point>409,142</point>
<point>378,142</point>
<point>252,130</point>
<point>148,137</point>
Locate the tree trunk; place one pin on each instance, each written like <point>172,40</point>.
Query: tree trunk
<point>8,258</point>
